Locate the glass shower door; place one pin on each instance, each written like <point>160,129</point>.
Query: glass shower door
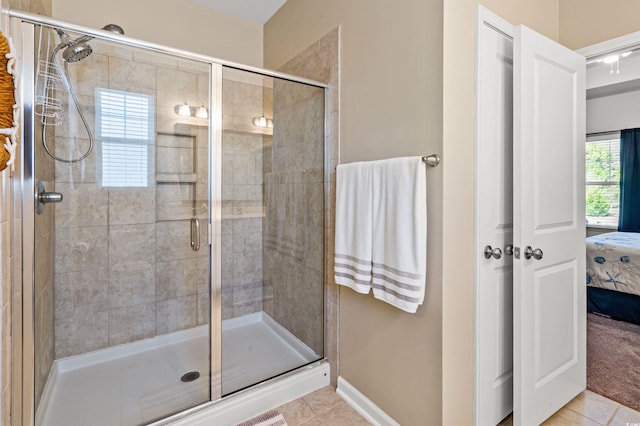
<point>122,263</point>
<point>272,256</point>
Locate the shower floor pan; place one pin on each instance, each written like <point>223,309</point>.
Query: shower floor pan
<point>139,382</point>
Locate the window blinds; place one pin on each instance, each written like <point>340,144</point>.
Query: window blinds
<point>125,126</point>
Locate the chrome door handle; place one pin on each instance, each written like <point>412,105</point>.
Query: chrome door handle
<point>536,254</point>
<point>490,252</point>
<point>195,234</point>
<point>508,250</point>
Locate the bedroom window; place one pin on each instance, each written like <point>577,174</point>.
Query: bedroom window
<point>125,127</point>
<point>602,165</point>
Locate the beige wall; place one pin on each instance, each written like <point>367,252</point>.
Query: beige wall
<point>586,22</point>
<point>390,106</point>
<point>458,188</point>
<point>175,23</point>
<point>41,7</point>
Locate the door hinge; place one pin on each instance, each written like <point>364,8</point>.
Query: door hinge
<point>209,233</point>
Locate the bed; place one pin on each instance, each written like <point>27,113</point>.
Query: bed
<point>613,275</point>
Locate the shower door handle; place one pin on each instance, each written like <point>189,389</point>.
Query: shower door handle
<point>195,233</point>
<point>43,197</point>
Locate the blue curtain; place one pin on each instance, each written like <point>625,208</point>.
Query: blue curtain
<point>629,218</point>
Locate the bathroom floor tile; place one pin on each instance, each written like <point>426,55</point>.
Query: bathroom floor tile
<point>567,417</point>
<point>625,417</point>
<point>323,399</point>
<point>321,408</point>
<point>593,406</point>
<point>340,415</point>
<point>296,412</point>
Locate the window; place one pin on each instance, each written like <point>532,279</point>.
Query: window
<point>602,165</point>
<point>124,123</point>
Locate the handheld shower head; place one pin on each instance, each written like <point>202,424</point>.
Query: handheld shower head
<point>77,51</point>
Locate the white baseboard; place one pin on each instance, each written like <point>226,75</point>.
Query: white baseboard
<point>363,405</point>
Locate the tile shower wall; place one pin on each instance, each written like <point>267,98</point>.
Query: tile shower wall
<point>320,62</point>
<point>44,276</point>
<point>124,266</point>
<point>295,204</point>
<point>244,96</point>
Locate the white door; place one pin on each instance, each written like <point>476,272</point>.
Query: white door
<point>548,184</point>
<point>494,221</point>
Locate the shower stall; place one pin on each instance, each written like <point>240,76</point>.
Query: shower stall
<point>172,254</point>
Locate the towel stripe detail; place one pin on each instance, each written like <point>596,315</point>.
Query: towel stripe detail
<point>397,271</point>
<point>352,278</point>
<point>399,284</point>
<point>353,268</point>
<point>397,295</point>
<point>354,259</point>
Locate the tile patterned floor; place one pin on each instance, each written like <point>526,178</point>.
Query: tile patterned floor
<point>325,408</point>
<point>590,409</point>
<point>321,408</point>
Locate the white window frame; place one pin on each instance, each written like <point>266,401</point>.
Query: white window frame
<point>595,137</point>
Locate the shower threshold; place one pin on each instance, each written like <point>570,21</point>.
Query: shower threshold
<point>140,382</point>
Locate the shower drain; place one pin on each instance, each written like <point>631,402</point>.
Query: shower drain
<point>190,376</point>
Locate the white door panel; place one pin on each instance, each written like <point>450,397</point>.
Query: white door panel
<point>549,294</point>
<point>494,215</point>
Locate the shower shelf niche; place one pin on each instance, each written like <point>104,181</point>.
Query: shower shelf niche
<point>176,160</point>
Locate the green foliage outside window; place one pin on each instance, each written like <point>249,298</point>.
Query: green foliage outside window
<point>603,177</point>
<point>597,202</point>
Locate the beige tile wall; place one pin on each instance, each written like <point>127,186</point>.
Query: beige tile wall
<point>129,249</point>
<point>125,269</point>
<point>245,96</point>
<point>44,268</point>
<point>318,62</point>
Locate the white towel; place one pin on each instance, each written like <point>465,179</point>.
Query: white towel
<point>399,232</point>
<point>354,213</point>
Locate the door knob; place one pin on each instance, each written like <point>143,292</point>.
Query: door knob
<point>508,250</point>
<point>490,252</point>
<point>536,254</point>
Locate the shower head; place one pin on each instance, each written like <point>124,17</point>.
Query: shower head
<point>77,51</point>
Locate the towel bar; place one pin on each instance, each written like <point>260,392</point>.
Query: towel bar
<point>432,160</point>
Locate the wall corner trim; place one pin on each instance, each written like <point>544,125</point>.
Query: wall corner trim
<point>363,405</point>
